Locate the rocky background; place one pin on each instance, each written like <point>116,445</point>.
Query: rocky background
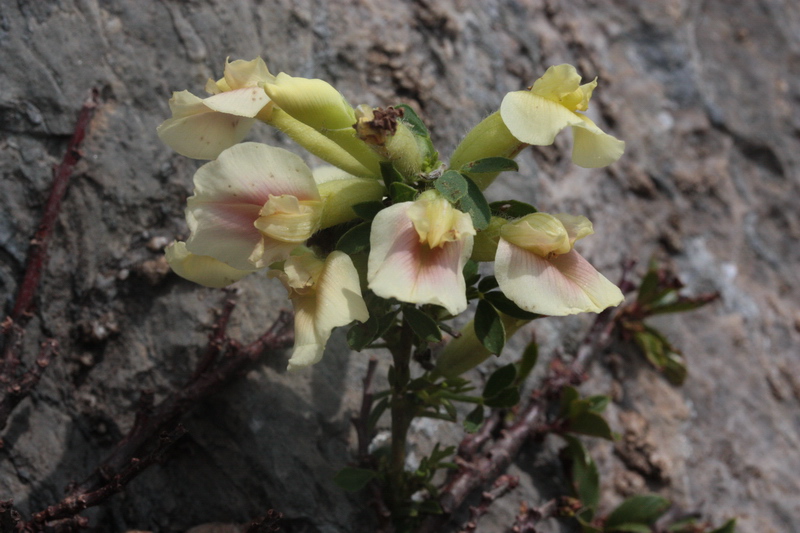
<point>706,94</point>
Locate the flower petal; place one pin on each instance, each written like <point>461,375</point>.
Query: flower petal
<point>563,285</point>
<point>534,119</point>
<point>592,148</point>
<point>201,269</point>
<point>245,102</point>
<point>241,73</point>
<point>198,132</point>
<point>401,267</point>
<point>335,301</point>
<point>229,195</point>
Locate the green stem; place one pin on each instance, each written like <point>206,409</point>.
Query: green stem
<point>401,415</point>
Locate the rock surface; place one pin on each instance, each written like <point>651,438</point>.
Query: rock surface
<point>706,95</point>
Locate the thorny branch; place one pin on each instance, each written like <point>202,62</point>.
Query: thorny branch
<point>16,388</point>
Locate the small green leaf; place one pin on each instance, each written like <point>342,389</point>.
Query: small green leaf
<point>424,326</point>
<point>452,185</point>
<point>474,420</point>
<point>506,399</point>
<point>630,528</point>
<point>591,424</point>
<point>367,210</point>
<point>501,379</point>
<point>511,209</point>
<point>471,272</point>
<point>642,509</point>
<point>489,327</point>
<point>648,288</point>
<point>598,403</point>
<point>490,164</point>
<point>527,362</point>
<point>377,412</point>
<point>681,305</point>
<point>675,369</point>
<point>569,395</point>
<point>585,476</point>
<point>728,527</point>
<point>502,303</point>
<point>390,174</point>
<point>476,205</point>
<point>400,192</point>
<point>411,118</point>
<point>488,283</point>
<point>430,507</point>
<point>354,479</point>
<point>360,335</point>
<point>356,239</point>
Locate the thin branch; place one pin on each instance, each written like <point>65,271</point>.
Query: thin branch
<point>361,422</point>
<point>502,486</point>
<point>21,387</point>
<point>151,420</point>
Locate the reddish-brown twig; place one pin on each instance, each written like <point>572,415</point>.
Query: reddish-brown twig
<point>502,486</point>
<point>14,387</point>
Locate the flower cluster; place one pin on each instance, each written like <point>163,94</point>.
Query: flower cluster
<point>388,220</point>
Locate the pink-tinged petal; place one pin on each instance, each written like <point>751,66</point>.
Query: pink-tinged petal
<point>205,134</point>
<point>401,267</point>
<point>201,269</point>
<point>224,231</point>
<point>564,285</point>
<point>251,172</point>
<point>245,102</point>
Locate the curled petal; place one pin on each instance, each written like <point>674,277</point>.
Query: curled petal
<point>334,301</point>
<point>245,102</point>
<point>534,119</point>
<point>241,73</point>
<point>402,267</point>
<point>198,132</point>
<point>563,285</point>
<point>311,101</point>
<point>201,269</point>
<point>593,148</point>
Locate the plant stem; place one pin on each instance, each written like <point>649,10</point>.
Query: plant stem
<point>401,415</point>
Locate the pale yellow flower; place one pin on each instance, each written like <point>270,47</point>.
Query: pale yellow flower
<point>537,267</point>
<point>252,206</point>
<point>555,101</point>
<point>201,128</point>
<point>201,269</point>
<point>418,251</point>
<point>325,295</point>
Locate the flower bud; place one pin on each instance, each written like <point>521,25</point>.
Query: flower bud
<point>311,101</point>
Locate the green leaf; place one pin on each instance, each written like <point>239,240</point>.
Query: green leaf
<point>527,362</point>
<point>569,395</point>
<point>377,412</point>
<point>471,272</point>
<point>474,420</point>
<point>390,174</point>
<point>400,192</point>
<point>490,164</point>
<point>511,209</point>
<point>488,283</point>
<point>675,369</point>
<point>359,336</point>
<point>411,118</point>
<point>631,528</point>
<point>354,479</point>
<point>430,507</point>
<point>681,305</point>
<point>356,239</point>
<point>452,186</point>
<point>506,399</point>
<point>502,303</point>
<point>591,424</point>
<point>489,328</point>
<point>598,403</point>
<point>367,210</point>
<point>501,379</point>
<point>648,288</point>
<point>585,476</point>
<point>728,527</point>
<point>642,509</point>
<point>476,205</point>
<point>424,326</point>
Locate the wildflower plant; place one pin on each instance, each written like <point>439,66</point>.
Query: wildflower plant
<point>388,240</point>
